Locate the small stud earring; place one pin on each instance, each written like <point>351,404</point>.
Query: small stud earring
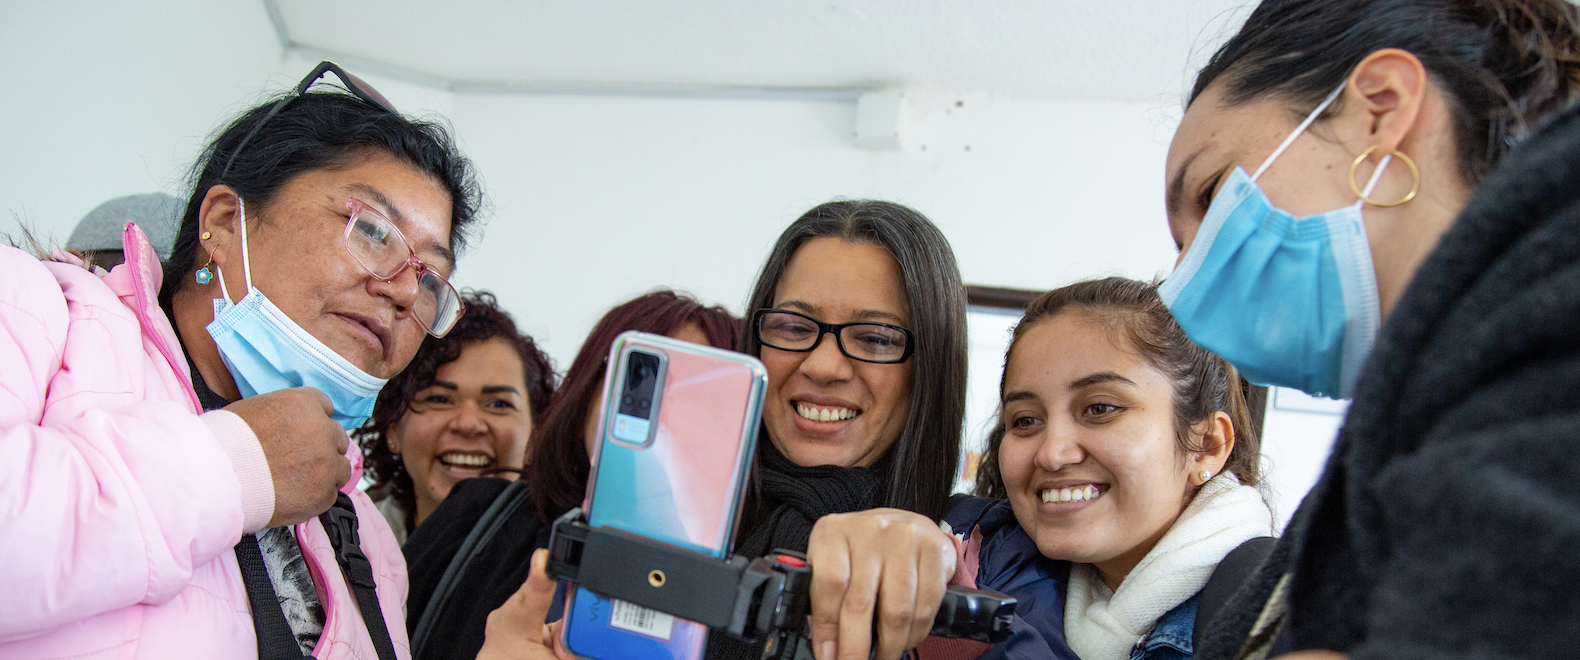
<point>206,236</point>
<point>1206,476</point>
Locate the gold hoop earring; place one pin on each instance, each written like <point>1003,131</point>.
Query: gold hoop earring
<point>1415,175</point>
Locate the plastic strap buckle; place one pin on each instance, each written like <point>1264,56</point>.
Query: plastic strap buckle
<point>340,523</point>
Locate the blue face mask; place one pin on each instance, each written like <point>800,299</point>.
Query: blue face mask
<point>1288,301</point>
<point>266,351</point>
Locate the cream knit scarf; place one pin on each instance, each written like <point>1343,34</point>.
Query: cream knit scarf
<point>1105,625</point>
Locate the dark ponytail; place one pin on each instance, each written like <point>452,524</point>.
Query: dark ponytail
<point>1203,383</point>
<point>1506,65</point>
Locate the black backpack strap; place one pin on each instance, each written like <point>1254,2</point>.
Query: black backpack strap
<point>340,522</point>
<point>1233,571</point>
<point>503,507</point>
<point>275,639</point>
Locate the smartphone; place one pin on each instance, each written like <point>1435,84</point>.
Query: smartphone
<point>675,434</point>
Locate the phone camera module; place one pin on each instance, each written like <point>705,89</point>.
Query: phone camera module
<point>641,384</point>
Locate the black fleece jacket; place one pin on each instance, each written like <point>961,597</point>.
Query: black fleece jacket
<point>1447,521</point>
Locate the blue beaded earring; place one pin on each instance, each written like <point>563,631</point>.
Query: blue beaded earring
<point>204,275</point>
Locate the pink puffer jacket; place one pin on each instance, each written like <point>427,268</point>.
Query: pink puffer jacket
<point>120,502</point>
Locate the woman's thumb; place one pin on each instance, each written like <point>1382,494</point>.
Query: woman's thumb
<point>536,595</point>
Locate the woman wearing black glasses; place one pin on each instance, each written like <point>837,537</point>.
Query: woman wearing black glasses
<point>162,423</point>
<point>859,317</point>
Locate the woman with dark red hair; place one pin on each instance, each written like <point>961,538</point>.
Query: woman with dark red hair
<point>507,520</point>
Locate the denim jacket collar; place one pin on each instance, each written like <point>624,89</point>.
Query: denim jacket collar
<point>1170,639</point>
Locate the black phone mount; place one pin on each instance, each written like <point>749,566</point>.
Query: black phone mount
<point>756,599</point>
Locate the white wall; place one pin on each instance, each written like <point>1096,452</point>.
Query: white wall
<point>597,199</point>
<point>103,99</point>
<point>1298,435</point>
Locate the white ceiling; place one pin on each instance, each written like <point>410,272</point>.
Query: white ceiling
<point>1095,49</point>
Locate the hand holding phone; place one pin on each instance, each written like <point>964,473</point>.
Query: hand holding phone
<point>878,577</point>
<point>517,631</point>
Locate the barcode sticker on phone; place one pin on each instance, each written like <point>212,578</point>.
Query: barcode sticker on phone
<point>638,619</point>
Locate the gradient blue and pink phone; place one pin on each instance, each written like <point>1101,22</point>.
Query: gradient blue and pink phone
<point>675,432</point>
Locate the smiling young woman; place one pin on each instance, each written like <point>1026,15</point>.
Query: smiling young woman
<point>1129,472</point>
<point>1126,451</point>
<point>463,408</point>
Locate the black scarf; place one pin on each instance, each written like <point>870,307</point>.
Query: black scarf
<point>786,499</point>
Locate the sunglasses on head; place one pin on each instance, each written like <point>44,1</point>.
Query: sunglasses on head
<point>353,84</point>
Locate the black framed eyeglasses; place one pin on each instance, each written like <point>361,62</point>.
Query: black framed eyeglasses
<point>355,85</point>
<point>879,343</point>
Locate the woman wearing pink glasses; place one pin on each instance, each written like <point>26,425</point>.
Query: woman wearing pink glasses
<point>149,420</point>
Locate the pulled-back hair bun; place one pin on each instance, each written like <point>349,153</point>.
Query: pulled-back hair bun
<point>1507,64</point>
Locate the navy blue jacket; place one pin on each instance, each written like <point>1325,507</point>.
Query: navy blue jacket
<point>1011,564</point>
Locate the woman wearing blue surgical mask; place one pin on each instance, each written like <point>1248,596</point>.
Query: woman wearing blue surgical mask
<point>1377,199</point>
<point>168,414</point>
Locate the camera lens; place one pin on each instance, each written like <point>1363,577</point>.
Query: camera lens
<point>641,384</point>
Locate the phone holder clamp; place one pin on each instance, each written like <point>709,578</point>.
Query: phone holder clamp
<point>766,597</point>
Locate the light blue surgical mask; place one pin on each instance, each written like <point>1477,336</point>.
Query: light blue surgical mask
<point>266,351</point>
<point>1288,301</point>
